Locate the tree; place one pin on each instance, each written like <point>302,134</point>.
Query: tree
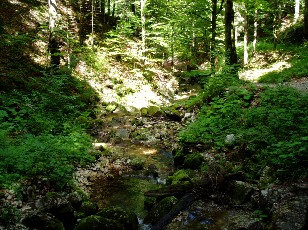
<point>143,29</point>
<point>230,49</point>
<point>54,47</point>
<point>296,10</point>
<point>306,20</point>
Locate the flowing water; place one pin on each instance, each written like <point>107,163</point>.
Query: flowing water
<point>126,188</point>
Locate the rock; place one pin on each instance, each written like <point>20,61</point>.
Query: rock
<point>179,177</point>
<point>98,223</point>
<point>154,111</point>
<point>243,220</point>
<point>179,158</point>
<point>241,192</point>
<point>88,208</point>
<point>127,218</point>
<point>230,139</point>
<point>42,221</point>
<point>161,209</point>
<point>75,199</point>
<point>123,134</point>
<point>291,214</point>
<point>60,207</point>
<point>143,112</point>
<point>111,107</point>
<point>149,203</point>
<point>137,163</point>
<point>152,170</point>
<point>173,115</point>
<point>193,161</point>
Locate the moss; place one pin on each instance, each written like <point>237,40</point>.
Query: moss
<point>127,218</point>
<point>161,209</point>
<point>88,208</point>
<point>193,161</point>
<point>179,158</point>
<point>98,223</point>
<point>179,177</point>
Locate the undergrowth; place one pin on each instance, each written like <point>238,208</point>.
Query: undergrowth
<point>268,128</point>
<point>43,129</point>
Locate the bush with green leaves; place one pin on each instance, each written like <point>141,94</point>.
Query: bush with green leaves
<point>269,125</point>
<point>43,129</point>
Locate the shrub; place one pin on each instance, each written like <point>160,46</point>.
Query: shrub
<point>269,127</point>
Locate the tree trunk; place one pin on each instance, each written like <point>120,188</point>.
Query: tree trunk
<point>54,47</point>
<point>306,20</point>
<point>255,32</point>
<point>245,36</point>
<point>230,49</point>
<point>296,10</point>
<point>277,23</point>
<point>213,39</point>
<point>143,29</point>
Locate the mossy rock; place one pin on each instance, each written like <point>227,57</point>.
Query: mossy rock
<point>127,218</point>
<point>42,221</point>
<point>143,112</point>
<point>160,210</point>
<point>178,159</point>
<point>98,223</point>
<point>137,163</point>
<point>193,161</point>
<point>111,107</point>
<point>149,203</point>
<point>179,177</point>
<point>88,208</point>
<point>59,206</point>
<point>75,199</point>
<point>154,111</point>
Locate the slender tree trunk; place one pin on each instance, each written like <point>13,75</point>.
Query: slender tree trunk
<point>143,29</point>
<point>296,10</point>
<point>213,39</point>
<point>277,23</point>
<point>306,20</point>
<point>245,36</point>
<point>54,47</point>
<point>230,49</point>
<point>255,32</point>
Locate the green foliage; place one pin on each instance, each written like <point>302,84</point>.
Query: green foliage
<point>270,128</point>
<point>217,84</point>
<point>298,60</point>
<point>42,132</point>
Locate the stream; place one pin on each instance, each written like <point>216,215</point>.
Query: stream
<point>137,157</point>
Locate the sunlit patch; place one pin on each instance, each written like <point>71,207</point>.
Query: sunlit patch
<point>255,74</point>
<point>150,152</point>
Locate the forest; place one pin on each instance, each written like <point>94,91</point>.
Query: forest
<point>153,114</point>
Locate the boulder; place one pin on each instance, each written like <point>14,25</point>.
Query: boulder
<point>154,111</point>
<point>60,207</point>
<point>160,210</point>
<point>98,223</point>
<point>75,199</point>
<point>88,208</point>
<point>241,192</point>
<point>42,221</point>
<point>193,161</point>
<point>178,159</point>
<point>127,218</point>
